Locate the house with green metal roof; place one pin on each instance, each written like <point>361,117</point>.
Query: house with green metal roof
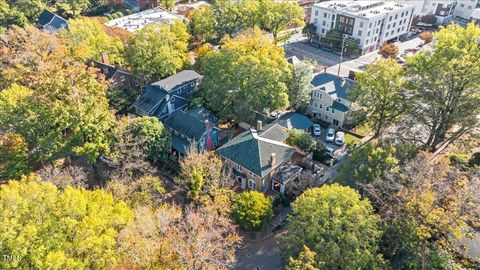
<point>329,101</point>
<point>256,156</point>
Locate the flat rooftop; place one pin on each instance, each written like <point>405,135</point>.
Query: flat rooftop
<point>367,9</point>
<point>138,20</point>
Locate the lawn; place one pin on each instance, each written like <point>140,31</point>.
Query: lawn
<point>351,140</point>
<point>362,129</point>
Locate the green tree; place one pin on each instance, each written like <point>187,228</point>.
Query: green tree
<point>254,77</point>
<point>351,46</point>
<point>277,17</point>
<point>72,8</point>
<point>201,173</point>
<point>168,4</point>
<point>310,30</point>
<point>444,83</point>
<point>158,50</point>
<point>58,106</point>
<point>121,99</point>
<point>300,86</point>
<point>202,24</point>
<point>228,18</point>
<point>367,163</point>
<point>303,140</point>
<point>49,229</point>
<point>86,39</point>
<point>30,8</point>
<point>252,210</point>
<point>305,261</point>
<point>13,156</point>
<point>380,89</point>
<point>333,38</point>
<point>155,137</point>
<point>340,227</point>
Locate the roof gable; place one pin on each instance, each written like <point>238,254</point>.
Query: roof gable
<point>293,120</point>
<point>51,21</point>
<point>150,98</point>
<point>186,124</point>
<point>334,86</point>
<point>253,152</point>
<point>172,82</point>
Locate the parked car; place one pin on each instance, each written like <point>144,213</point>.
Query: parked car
<point>330,135</point>
<point>327,49</point>
<point>317,131</point>
<point>330,151</point>
<point>340,138</point>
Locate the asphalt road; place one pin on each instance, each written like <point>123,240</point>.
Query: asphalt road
<point>261,255</point>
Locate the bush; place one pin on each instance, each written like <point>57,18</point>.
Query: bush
<point>460,159</point>
<point>252,210</point>
<point>426,37</point>
<point>389,50</point>
<point>301,139</point>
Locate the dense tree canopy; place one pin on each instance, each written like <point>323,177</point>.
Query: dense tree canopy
<point>300,86</point>
<point>86,40</point>
<point>158,50</point>
<point>252,210</point>
<point>58,106</point>
<point>49,229</point>
<point>254,75</point>
<point>380,91</point>
<point>338,226</point>
<point>13,156</point>
<point>444,86</point>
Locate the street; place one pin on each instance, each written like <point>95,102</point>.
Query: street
<point>300,47</point>
<point>261,255</point>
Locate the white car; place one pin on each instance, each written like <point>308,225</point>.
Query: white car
<point>340,138</point>
<point>330,135</point>
<point>317,131</point>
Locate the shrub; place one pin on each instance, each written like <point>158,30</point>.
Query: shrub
<point>252,210</point>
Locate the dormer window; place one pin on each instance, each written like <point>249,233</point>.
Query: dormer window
<point>339,100</point>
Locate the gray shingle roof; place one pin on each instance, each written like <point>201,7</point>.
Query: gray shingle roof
<point>186,124</point>
<point>339,106</point>
<point>51,21</point>
<point>274,132</point>
<point>150,98</point>
<point>253,152</point>
<point>286,173</point>
<point>178,79</point>
<point>293,120</point>
<point>332,84</point>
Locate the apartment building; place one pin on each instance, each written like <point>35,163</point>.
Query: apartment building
<point>475,16</point>
<point>370,22</point>
<point>443,9</point>
<point>464,9</point>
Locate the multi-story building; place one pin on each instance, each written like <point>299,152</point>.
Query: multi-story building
<point>475,16</point>
<point>464,9</point>
<point>329,101</point>
<point>370,22</point>
<point>442,9</point>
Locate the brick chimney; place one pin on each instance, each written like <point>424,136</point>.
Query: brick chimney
<point>105,59</point>
<point>259,125</point>
<point>273,159</point>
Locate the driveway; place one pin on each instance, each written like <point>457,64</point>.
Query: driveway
<point>261,255</point>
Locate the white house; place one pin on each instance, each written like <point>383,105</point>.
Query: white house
<point>475,16</point>
<point>329,101</point>
<point>442,9</point>
<point>371,22</point>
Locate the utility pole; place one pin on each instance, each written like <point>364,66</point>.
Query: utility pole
<point>341,57</point>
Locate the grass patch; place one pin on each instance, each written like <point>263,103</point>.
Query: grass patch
<point>351,140</point>
<point>362,129</point>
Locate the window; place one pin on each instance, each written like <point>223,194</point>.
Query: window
<point>366,42</point>
<point>252,184</point>
<point>323,31</point>
<point>368,33</point>
<point>333,111</point>
<point>375,39</point>
<point>345,24</point>
<point>462,5</point>
<point>324,23</point>
<point>316,12</point>
<point>391,33</point>
<point>238,167</point>
<point>361,24</point>
<point>333,17</point>
<point>388,26</point>
<point>192,84</point>
<point>390,19</point>
<point>370,25</point>
<point>359,32</point>
<point>327,109</point>
<point>376,31</point>
<point>320,106</point>
<point>401,15</point>
<point>315,20</point>
<point>398,30</point>
<point>386,34</point>
<point>324,15</point>
<point>326,117</point>
<point>320,95</point>
<point>406,13</point>
<point>252,174</point>
<point>394,24</point>
<point>396,16</point>
<point>172,99</point>
<point>315,104</point>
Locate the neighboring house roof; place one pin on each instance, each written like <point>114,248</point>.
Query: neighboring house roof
<point>333,85</point>
<point>186,124</point>
<point>180,144</point>
<point>293,120</point>
<point>170,83</point>
<point>202,114</point>
<point>109,70</point>
<point>293,60</point>
<point>274,132</point>
<point>152,95</point>
<point>51,21</point>
<point>253,151</point>
<point>286,173</point>
<point>339,106</point>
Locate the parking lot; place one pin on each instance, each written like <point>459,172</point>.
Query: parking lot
<point>338,149</point>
